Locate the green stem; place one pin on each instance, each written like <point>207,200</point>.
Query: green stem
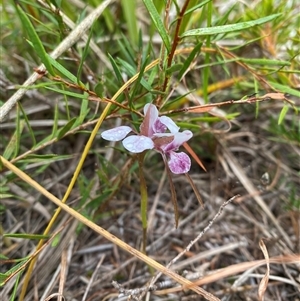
<point>207,55</point>
<point>144,199</point>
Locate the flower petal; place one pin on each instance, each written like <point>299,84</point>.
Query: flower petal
<point>116,134</point>
<point>159,127</point>
<point>179,162</point>
<point>179,139</point>
<point>137,144</point>
<point>169,123</point>
<point>151,115</point>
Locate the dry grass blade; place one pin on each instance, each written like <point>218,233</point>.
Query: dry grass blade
<point>239,172</point>
<point>240,267</point>
<point>93,278</point>
<point>264,282</point>
<point>194,240</point>
<point>106,234</point>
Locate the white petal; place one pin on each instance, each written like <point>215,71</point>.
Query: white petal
<point>169,123</point>
<point>179,163</point>
<point>137,144</point>
<point>151,107</point>
<point>116,134</point>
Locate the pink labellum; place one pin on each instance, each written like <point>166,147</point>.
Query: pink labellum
<point>179,163</point>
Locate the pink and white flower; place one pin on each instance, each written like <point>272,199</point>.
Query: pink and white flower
<point>154,135</point>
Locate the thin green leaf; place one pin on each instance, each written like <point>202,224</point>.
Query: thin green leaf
<point>63,70</point>
<point>257,103</point>
<point>99,89</point>
<point>283,113</point>
<point>129,7</point>
<point>6,195</point>
<point>174,68</point>
<point>199,5</point>
<point>116,69</point>
<point>227,28</point>
<point>109,18</point>
<point>152,75</point>
<point>29,128</point>
<point>265,62</point>
<point>35,40</point>
<point>285,89</point>
<point>127,50</point>
<point>19,130</point>
<point>189,60</point>
<point>26,236</point>
<point>66,128</point>
<point>4,276</point>
<point>45,140</point>
<point>33,158</point>
<point>56,240</point>
<point>15,289</point>
<point>158,23</point>
<point>68,93</point>
<point>131,71</point>
<point>55,120</point>
<point>206,70</point>
<point>192,6</point>
<point>84,55</point>
<point>84,109</point>
<point>144,198</point>
<point>140,78</point>
<point>14,143</point>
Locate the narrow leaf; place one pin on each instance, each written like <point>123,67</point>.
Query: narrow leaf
<point>35,40</point>
<point>129,7</point>
<point>158,23</point>
<point>116,69</point>
<point>283,113</point>
<point>189,60</point>
<point>26,236</point>
<point>55,120</point>
<point>140,78</point>
<point>13,145</point>
<point>29,128</point>
<point>265,62</point>
<point>68,93</point>
<point>84,55</point>
<point>62,70</point>
<point>131,71</point>
<point>227,28</point>
<point>66,128</point>
<point>84,109</point>
<point>199,5</point>
<point>285,89</point>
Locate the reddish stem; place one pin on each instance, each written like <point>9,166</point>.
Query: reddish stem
<point>174,45</point>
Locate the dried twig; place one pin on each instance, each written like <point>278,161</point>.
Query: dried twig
<point>138,293</point>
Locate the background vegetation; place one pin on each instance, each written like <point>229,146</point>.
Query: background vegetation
<point>226,70</point>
